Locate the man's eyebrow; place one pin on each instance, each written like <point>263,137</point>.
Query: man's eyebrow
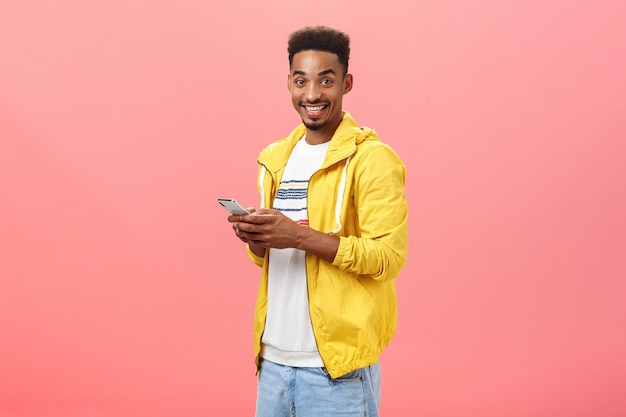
<point>328,71</point>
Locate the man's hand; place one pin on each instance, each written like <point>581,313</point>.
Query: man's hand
<point>268,228</point>
<point>236,220</point>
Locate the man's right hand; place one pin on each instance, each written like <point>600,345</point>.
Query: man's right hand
<point>236,220</point>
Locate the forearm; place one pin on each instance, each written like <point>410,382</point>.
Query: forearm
<point>322,245</point>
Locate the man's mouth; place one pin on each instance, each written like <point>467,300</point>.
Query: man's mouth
<point>315,110</point>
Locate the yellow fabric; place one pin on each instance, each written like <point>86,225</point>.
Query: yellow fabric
<point>353,300</point>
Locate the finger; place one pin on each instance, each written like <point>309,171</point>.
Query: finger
<point>259,218</point>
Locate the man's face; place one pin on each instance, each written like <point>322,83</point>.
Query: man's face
<point>317,84</point>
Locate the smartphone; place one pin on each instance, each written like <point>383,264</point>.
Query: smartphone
<point>233,206</point>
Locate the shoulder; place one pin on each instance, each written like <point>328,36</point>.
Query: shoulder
<point>373,148</point>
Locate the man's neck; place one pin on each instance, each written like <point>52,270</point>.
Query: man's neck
<point>315,137</point>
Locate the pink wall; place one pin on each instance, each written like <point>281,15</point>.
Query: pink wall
<point>124,293</point>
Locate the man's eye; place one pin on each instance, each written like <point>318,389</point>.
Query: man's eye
<point>299,82</point>
<point>327,81</point>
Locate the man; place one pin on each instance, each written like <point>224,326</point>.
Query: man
<point>331,237</point>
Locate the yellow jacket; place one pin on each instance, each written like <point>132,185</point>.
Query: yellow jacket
<point>357,195</point>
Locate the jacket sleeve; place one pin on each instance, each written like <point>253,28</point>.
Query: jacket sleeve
<point>258,260</point>
<point>380,248</point>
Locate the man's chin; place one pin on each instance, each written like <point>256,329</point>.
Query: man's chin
<point>314,126</point>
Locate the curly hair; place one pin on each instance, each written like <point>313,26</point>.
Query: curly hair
<point>320,38</point>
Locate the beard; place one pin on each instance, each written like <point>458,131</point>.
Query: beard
<point>314,127</point>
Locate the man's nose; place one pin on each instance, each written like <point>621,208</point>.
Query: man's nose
<point>313,92</point>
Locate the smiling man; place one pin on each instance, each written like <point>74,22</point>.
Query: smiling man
<point>331,238</point>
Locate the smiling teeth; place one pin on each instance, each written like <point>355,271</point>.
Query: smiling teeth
<point>316,108</point>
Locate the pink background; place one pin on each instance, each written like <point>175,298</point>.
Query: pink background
<point>123,291</point>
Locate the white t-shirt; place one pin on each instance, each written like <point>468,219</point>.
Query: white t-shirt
<point>288,338</point>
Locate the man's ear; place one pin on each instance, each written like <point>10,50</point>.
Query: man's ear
<point>348,81</point>
<point>289,82</point>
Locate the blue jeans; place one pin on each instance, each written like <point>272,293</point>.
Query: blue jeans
<point>285,391</point>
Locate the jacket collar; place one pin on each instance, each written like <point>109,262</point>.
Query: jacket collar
<point>343,144</point>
